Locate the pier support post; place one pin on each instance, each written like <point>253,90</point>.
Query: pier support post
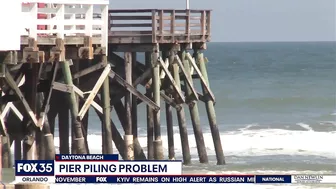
<point>150,115</point>
<point>158,150</point>
<point>121,113</point>
<point>194,114</point>
<point>106,126</point>
<point>169,113</point>
<point>47,146</point>
<point>209,105</point>
<point>63,123</point>
<point>134,112</point>
<point>128,97</point>
<point>47,150</point>
<point>5,152</point>
<point>30,151</point>
<point>79,142</point>
<point>181,117</point>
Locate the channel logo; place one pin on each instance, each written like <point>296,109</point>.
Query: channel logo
<point>34,168</point>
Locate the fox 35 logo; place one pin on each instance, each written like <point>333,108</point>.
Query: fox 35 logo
<point>34,167</point>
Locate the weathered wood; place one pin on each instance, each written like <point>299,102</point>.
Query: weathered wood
<point>194,114</point>
<point>181,118</point>
<point>13,85</point>
<point>62,87</point>
<point>187,78</point>
<point>45,103</point>
<point>204,83</point>
<point>80,93</point>
<point>200,96</point>
<point>89,70</point>
<point>158,150</point>
<point>30,142</point>
<point>68,40</point>
<point>154,27</point>
<point>94,91</point>
<point>121,113</point>
<point>134,110</point>
<point>31,53</point>
<point>57,53</point>
<point>63,128</point>
<point>79,142</point>
<point>131,89</point>
<point>150,116</point>
<point>187,24</point>
<point>208,22</point>
<point>136,82</point>
<point>203,24</point>
<point>5,152</point>
<point>86,52</point>
<point>192,29</point>
<point>133,17</point>
<point>164,64</point>
<point>106,125</point>
<point>118,140</point>
<point>47,146</point>
<point>172,24</point>
<point>131,25</point>
<point>8,57</point>
<point>210,110</point>
<point>128,129</point>
<point>165,28</point>
<point>171,79</point>
<point>142,77</point>
<point>53,111</point>
<point>85,125</point>
<point>3,111</point>
<point>116,137</point>
<point>120,47</point>
<point>18,78</point>
<point>169,115</point>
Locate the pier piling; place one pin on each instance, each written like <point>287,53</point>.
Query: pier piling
<point>150,113</point>
<point>158,150</point>
<point>181,113</point>
<point>128,97</point>
<point>65,73</point>
<point>194,114</point>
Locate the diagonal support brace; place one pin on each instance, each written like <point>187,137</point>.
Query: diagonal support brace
<point>132,90</point>
<point>192,61</point>
<point>172,81</point>
<point>47,99</point>
<point>18,92</point>
<point>188,80</point>
<point>94,92</point>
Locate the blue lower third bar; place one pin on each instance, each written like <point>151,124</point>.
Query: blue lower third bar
<point>273,179</point>
<point>155,179</point>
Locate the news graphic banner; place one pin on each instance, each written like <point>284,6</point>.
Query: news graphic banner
<point>97,168</point>
<point>91,168</point>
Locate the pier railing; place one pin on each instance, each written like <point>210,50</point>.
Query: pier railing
<point>65,18</point>
<point>159,26</point>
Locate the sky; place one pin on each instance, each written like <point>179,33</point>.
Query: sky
<point>257,20</point>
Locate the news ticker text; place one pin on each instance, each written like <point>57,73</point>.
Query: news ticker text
<point>97,168</point>
<point>122,179</point>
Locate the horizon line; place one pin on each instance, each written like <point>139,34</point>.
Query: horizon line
<point>270,41</point>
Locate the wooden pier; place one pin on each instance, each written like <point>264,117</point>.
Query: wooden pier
<point>86,56</point>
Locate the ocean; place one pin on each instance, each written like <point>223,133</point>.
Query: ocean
<point>276,112</point>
